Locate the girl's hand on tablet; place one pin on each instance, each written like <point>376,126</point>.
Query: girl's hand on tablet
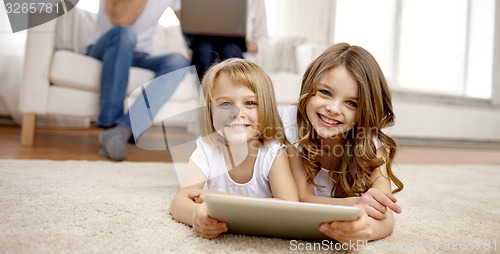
<point>197,195</point>
<point>375,203</point>
<point>349,231</point>
<point>206,226</point>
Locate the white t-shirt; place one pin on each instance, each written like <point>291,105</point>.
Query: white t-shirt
<point>144,27</point>
<point>210,159</point>
<point>289,118</point>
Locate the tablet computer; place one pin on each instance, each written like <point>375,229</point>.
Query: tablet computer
<point>275,218</point>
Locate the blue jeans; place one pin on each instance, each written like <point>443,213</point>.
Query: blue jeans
<point>206,52</point>
<point>116,50</point>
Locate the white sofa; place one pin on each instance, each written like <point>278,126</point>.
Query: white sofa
<point>58,80</point>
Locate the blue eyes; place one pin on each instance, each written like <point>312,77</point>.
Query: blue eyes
<point>325,92</point>
<point>351,104</point>
<point>227,104</point>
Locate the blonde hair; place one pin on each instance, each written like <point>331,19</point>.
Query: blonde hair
<point>351,174</point>
<point>252,76</point>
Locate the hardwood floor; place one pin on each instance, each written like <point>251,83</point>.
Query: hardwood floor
<point>66,144</point>
<point>82,144</point>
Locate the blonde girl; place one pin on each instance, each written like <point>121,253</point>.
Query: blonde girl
<point>337,149</point>
<point>241,149</point>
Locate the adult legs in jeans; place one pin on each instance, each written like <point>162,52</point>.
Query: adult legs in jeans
<point>204,55</point>
<point>169,71</point>
<point>230,50</point>
<point>157,93</point>
<point>116,50</point>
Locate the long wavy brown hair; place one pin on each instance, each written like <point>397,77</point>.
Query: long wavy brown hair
<point>351,173</point>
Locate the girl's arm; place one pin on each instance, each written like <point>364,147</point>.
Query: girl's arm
<point>184,209</point>
<point>281,178</point>
<point>381,181</point>
<point>306,190</point>
<point>367,227</point>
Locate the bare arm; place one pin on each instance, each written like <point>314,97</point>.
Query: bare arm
<point>383,227</point>
<point>306,190</point>
<point>183,207</point>
<point>194,214</point>
<point>367,227</point>
<point>281,178</point>
<point>124,12</point>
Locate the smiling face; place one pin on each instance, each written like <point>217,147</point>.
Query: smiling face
<point>332,110</point>
<point>235,112</point>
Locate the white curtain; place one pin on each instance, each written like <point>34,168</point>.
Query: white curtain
<point>12,46</point>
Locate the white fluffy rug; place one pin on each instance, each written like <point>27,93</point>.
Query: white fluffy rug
<point>106,207</point>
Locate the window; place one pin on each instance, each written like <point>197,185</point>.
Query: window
<point>369,24</point>
<point>436,46</point>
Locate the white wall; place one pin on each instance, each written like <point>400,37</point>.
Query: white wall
<point>434,120</point>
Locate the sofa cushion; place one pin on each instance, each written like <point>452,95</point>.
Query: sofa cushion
<point>286,87</point>
<point>74,70</point>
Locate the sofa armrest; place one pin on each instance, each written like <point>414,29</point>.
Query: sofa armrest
<point>34,90</point>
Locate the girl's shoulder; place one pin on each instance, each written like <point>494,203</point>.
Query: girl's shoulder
<point>267,154</point>
<point>207,156</point>
<point>271,146</point>
<point>206,148</point>
<point>201,142</point>
<point>378,143</point>
<point>289,117</point>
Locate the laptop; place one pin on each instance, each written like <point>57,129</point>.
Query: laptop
<point>276,218</point>
<point>217,19</point>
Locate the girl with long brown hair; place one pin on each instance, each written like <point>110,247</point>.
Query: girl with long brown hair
<point>337,149</point>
